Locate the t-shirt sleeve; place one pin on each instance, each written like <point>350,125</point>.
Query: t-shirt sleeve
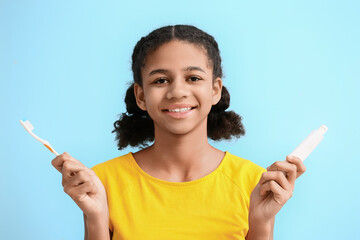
<point>96,170</point>
<point>100,171</point>
<point>254,178</point>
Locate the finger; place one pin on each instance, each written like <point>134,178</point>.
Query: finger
<point>299,164</point>
<point>289,169</point>
<point>81,191</point>
<point>278,177</point>
<point>78,178</point>
<point>59,160</point>
<point>69,169</point>
<point>279,194</point>
<point>270,186</point>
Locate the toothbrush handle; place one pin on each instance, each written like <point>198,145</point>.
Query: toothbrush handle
<point>51,149</point>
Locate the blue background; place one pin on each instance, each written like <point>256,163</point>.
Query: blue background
<point>290,66</point>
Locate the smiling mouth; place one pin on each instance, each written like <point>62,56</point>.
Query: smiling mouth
<point>179,110</point>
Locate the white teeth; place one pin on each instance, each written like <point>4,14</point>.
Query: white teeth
<point>179,110</point>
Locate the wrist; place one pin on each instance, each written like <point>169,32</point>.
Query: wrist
<point>259,220</point>
<point>97,227</point>
<point>98,213</point>
<point>259,229</point>
<point>97,219</point>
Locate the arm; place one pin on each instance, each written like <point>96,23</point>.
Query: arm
<point>258,230</point>
<point>96,229</point>
<point>86,189</point>
<point>85,228</point>
<point>274,188</point>
<point>272,229</point>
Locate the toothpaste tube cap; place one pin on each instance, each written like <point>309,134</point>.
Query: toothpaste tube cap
<point>323,129</point>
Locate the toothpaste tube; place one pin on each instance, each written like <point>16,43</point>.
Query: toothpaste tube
<point>309,144</point>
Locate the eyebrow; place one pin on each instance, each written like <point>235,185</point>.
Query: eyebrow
<point>190,68</point>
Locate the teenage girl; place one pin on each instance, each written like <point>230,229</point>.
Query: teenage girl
<point>180,187</point>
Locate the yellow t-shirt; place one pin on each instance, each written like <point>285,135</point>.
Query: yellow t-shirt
<point>212,207</point>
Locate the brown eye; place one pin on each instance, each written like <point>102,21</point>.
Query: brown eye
<point>194,79</point>
<point>160,80</point>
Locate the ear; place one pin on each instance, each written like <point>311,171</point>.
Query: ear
<point>139,96</point>
<point>217,87</point>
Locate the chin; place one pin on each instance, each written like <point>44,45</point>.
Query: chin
<point>177,129</point>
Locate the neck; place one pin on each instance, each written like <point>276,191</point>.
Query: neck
<point>180,157</point>
<point>181,153</point>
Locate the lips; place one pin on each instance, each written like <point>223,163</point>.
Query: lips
<point>179,111</point>
<point>179,108</point>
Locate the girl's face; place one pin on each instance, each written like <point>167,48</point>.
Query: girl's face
<point>178,90</point>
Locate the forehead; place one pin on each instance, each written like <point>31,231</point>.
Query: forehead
<point>177,54</point>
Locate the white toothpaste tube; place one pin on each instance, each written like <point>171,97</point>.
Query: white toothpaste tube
<point>309,144</point>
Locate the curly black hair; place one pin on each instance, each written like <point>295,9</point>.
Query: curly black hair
<point>136,128</point>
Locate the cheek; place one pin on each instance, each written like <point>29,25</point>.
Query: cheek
<point>152,101</point>
<point>206,94</point>
<point>150,108</point>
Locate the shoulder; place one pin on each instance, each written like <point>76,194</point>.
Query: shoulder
<point>113,166</point>
<point>244,165</point>
<point>243,172</point>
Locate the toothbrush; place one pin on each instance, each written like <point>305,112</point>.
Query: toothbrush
<point>29,127</point>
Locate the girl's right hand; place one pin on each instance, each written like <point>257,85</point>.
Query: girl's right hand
<point>82,185</point>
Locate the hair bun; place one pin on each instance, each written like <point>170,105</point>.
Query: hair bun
<point>224,102</point>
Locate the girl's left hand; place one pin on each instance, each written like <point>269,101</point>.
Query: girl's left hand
<point>275,188</point>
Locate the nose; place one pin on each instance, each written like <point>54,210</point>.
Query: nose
<point>178,88</point>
